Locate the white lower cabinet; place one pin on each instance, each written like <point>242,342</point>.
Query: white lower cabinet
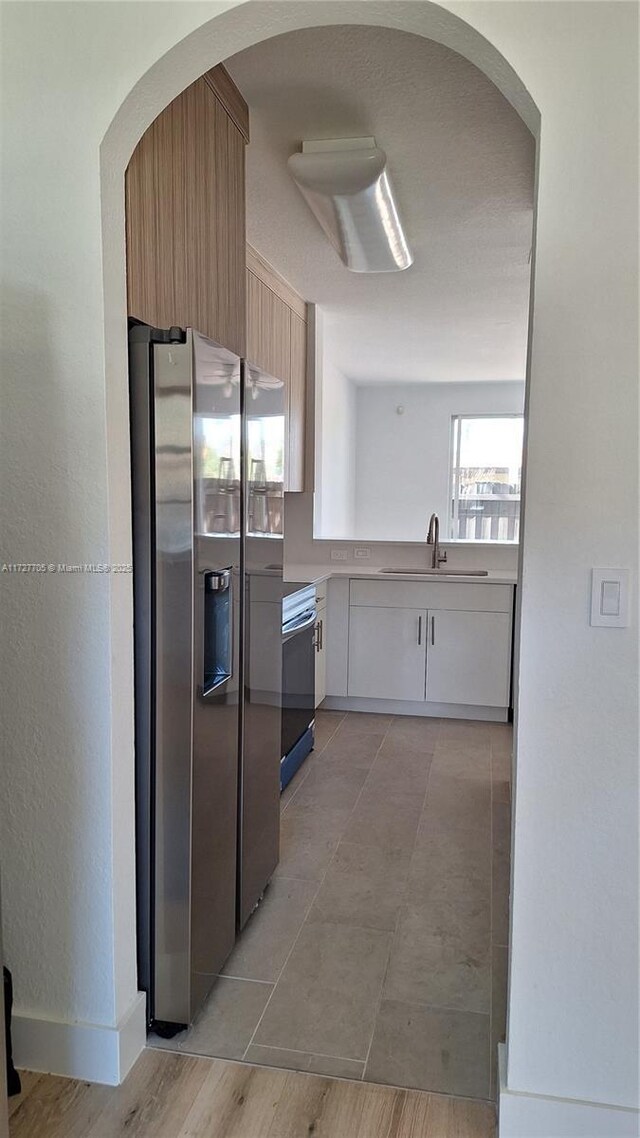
<point>321,652</point>
<point>387,652</point>
<point>458,656</point>
<point>468,657</point>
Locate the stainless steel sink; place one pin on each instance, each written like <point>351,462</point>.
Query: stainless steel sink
<point>439,572</point>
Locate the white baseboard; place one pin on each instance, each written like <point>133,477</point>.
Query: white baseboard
<point>411,707</point>
<point>92,1052</point>
<point>522,1115</point>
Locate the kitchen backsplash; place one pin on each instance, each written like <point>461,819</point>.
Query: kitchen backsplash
<point>300,548</point>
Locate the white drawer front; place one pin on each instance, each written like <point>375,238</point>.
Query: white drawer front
<point>432,594</point>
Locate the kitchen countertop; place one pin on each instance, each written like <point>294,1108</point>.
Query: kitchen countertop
<point>316,574</point>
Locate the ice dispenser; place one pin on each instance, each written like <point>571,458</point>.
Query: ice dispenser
<point>218,640</point>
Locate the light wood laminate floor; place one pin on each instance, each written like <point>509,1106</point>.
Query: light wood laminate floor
<point>177,1096</point>
<point>379,951</point>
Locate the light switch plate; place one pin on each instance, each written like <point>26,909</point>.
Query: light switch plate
<point>610,598</point>
<point>361,553</point>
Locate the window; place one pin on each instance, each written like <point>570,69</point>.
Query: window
<point>486,471</point>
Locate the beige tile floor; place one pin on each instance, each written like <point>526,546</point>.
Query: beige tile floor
<point>379,950</point>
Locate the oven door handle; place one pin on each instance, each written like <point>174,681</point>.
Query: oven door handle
<point>305,623</point>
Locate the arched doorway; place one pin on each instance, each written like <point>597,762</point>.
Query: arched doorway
<point>213,42</point>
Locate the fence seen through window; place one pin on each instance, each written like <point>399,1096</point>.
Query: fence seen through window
<point>486,473</point>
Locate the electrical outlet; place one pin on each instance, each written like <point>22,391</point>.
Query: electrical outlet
<point>361,553</point>
<point>339,555</point>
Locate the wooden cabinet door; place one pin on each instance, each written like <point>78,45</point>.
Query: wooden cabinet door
<point>268,329</point>
<point>469,657</point>
<point>185,220</point>
<point>387,653</point>
<point>296,417</point>
<point>277,343</point>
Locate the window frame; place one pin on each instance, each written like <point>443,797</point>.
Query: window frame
<point>454,468</point>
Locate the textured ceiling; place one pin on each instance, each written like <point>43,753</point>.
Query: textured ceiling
<point>462,163</point>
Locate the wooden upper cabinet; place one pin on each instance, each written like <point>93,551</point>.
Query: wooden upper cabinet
<point>296,417</point>
<point>277,343</point>
<point>185,215</point>
<point>268,329</point>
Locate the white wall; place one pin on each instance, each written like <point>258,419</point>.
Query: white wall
<point>573,1005</point>
<point>66,809</point>
<point>403,461</point>
<point>335,452</point>
<point>66,834</point>
<point>302,549</point>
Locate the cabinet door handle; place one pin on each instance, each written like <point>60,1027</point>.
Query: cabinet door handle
<point>433,629</point>
<point>321,635</point>
<point>419,630</point>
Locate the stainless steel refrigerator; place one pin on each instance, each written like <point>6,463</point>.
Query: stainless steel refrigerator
<point>207,605</point>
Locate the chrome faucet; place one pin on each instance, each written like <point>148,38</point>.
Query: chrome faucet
<point>433,538</point>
